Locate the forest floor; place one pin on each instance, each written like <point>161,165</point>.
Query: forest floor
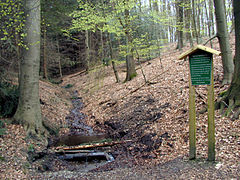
<point>154,116</point>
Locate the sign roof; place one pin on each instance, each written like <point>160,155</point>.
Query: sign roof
<point>196,48</point>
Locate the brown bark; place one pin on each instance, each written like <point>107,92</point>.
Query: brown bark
<point>131,71</point>
<point>232,96</point>
<point>188,13</point>
<point>194,22</point>
<point>28,111</point>
<point>179,10</point>
<point>113,63</point>
<point>223,36</point>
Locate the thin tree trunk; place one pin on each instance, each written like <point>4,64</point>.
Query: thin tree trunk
<point>138,58</point>
<point>59,59</point>
<point>170,28</point>
<point>179,10</point>
<point>198,14</point>
<point>18,55</point>
<point>45,71</point>
<point>102,46</point>
<point>211,15</point>
<point>113,62</point>
<point>208,22</point>
<point>188,12</point>
<point>157,32</point>
<point>87,50</point>
<point>194,22</point>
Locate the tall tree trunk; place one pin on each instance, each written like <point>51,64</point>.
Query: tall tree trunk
<point>194,22</point>
<point>208,22</point>
<point>222,33</point>
<point>188,13</point>
<point>198,15</point>
<point>211,15</point>
<point>156,31</point>
<point>179,10</point>
<point>130,63</point>
<point>232,96</point>
<point>131,71</point>
<point>28,111</point>
<point>170,26</point>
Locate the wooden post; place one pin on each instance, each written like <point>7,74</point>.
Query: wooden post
<point>201,73</point>
<point>192,121</point>
<point>211,124</point>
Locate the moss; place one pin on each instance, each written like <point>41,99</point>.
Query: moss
<point>223,93</point>
<point>68,86</point>
<point>133,75</point>
<point>2,158</point>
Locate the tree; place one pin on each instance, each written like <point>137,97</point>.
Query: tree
<point>179,11</point>
<point>232,96</point>
<point>222,34</point>
<point>194,22</point>
<point>188,14</point>
<point>11,33</point>
<point>114,18</point>
<point>28,111</point>
<point>54,18</point>
<point>131,71</point>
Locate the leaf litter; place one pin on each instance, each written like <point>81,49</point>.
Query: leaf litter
<point>154,116</point>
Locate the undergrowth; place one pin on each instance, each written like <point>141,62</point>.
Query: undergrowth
<point>9,95</point>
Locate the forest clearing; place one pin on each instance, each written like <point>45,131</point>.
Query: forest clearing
<point>120,89</point>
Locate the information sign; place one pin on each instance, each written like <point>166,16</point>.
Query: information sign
<point>201,73</point>
<point>200,68</point>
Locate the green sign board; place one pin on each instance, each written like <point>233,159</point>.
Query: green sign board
<point>200,68</point>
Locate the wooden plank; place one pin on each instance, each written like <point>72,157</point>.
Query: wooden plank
<point>192,121</point>
<point>211,123</point>
<point>87,146</point>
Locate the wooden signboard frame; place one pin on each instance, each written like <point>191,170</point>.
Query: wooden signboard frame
<point>201,73</point>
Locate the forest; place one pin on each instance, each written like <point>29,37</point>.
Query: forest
<point>105,89</point>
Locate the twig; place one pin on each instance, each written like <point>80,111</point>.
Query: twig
<point>210,39</point>
<point>227,106</point>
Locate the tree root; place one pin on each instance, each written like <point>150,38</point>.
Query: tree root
<point>229,107</point>
<point>39,134</point>
<point>236,114</point>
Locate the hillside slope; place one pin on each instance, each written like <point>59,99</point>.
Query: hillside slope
<point>154,116</point>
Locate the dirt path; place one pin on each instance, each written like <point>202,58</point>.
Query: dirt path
<point>178,168</point>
